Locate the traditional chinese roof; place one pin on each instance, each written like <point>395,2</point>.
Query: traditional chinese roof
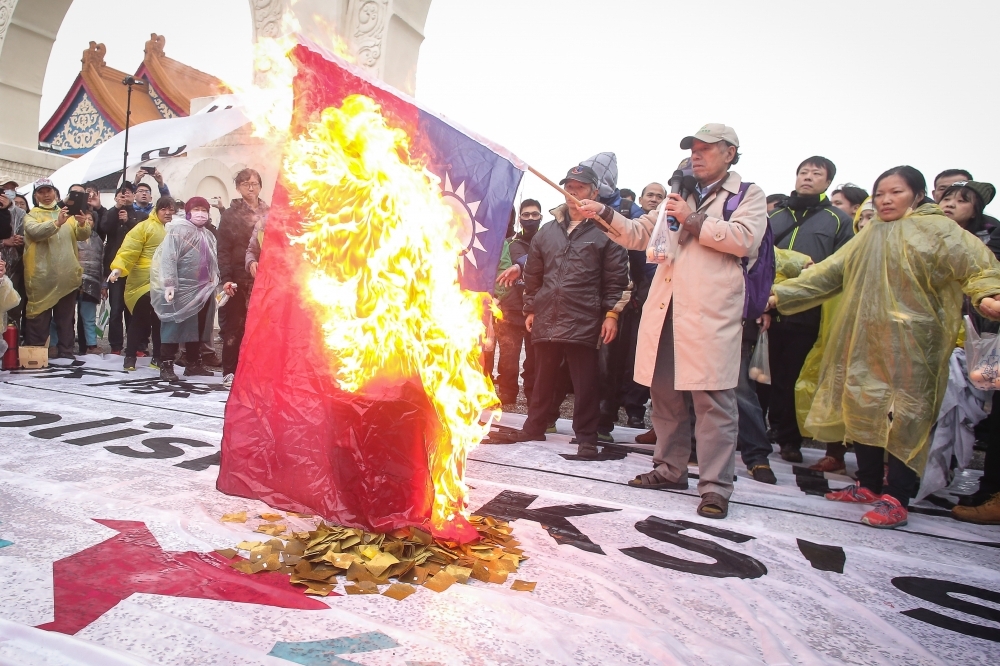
<point>94,108</point>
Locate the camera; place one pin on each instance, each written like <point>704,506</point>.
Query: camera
<point>76,203</point>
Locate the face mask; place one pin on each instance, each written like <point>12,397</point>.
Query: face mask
<point>199,218</point>
<point>530,226</point>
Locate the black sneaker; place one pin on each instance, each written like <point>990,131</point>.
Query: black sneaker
<point>197,371</point>
<point>636,422</point>
<point>521,436</point>
<point>129,364</point>
<point>167,373</point>
<point>763,474</point>
<point>791,453</point>
<point>587,451</point>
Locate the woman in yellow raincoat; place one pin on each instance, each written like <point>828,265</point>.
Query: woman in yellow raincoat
<point>52,271</point>
<point>885,369</point>
<point>133,261</point>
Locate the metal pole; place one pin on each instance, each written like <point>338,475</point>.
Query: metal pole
<point>128,113</point>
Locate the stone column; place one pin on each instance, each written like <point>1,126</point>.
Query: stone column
<point>383,35</point>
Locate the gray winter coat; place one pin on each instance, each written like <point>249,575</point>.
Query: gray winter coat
<point>571,281</point>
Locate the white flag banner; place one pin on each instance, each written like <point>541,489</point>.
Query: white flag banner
<point>152,140</point>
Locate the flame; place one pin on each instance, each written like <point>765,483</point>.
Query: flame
<point>383,278</point>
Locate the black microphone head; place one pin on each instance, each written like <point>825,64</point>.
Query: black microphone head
<point>676,180</point>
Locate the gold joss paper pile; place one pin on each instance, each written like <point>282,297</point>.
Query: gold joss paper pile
<point>411,556</point>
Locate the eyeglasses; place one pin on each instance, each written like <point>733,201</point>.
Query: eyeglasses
<point>249,183</point>
<point>531,216</point>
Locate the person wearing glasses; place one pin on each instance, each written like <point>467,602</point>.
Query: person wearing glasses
<point>511,333</point>
<point>236,229</point>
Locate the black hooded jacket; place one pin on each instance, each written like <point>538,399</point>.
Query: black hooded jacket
<point>572,280</point>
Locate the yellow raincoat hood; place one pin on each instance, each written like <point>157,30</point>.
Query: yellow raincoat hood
<point>884,371</point>
<point>136,256</point>
<point>51,258</point>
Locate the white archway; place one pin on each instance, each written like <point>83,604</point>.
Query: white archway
<point>386,35</point>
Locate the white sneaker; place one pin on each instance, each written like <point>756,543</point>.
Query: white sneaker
<point>227,381</point>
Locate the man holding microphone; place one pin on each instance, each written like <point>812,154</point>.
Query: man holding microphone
<point>692,321</point>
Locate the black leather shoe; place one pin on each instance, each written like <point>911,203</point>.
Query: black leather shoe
<point>791,453</point>
<point>763,474</point>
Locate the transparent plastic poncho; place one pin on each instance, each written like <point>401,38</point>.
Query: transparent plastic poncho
<point>884,370</point>
<point>186,260</point>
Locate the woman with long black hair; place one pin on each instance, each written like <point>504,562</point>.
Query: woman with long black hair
<point>884,373</point>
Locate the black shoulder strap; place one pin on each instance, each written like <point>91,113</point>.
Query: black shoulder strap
<point>784,234</point>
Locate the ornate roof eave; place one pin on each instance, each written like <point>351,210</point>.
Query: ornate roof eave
<point>176,83</point>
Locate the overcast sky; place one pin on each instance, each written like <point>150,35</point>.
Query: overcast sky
<point>868,83</point>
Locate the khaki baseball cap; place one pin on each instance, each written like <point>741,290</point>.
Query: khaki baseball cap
<point>711,133</point>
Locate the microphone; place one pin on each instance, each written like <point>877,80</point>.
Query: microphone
<point>676,182</point>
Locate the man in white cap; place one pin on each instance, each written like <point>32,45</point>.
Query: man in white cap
<point>692,321</point>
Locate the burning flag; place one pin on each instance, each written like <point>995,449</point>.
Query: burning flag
<point>359,390</point>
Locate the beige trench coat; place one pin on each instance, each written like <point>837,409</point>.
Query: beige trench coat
<point>706,284</point>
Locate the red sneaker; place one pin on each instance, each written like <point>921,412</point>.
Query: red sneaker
<point>140,354</point>
<point>886,513</point>
<point>854,495</point>
<point>830,464</point>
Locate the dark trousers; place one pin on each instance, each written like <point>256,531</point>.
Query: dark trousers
<point>563,387</point>
<point>144,322</point>
<point>116,301</point>
<point>615,367</point>
<point>581,361</point>
<point>633,396</point>
<point>63,313</point>
<point>989,482</point>
<point>511,337</point>
<point>192,348</point>
<point>788,348</point>
<point>232,326</point>
<point>752,439</point>
<point>903,481</point>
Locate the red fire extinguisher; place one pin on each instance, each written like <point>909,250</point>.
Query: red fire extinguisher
<point>10,356</point>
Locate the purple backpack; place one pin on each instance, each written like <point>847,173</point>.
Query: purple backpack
<point>760,278</point>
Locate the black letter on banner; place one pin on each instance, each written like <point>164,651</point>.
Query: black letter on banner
<point>161,447</point>
<point>36,419</point>
<point>728,563</point>
<point>509,505</point>
<point>162,152</point>
<point>199,464</point>
<point>939,592</point>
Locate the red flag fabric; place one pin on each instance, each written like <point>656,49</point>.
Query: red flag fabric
<point>291,437</point>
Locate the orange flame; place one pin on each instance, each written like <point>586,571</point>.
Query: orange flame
<point>383,277</point>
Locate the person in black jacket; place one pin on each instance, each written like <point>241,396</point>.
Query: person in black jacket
<point>511,333</point>
<point>113,227</point>
<point>235,231</point>
<point>573,278</point>
<point>809,223</point>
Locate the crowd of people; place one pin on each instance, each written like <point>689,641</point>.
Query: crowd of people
<point>157,272</point>
<point>669,298</point>
<point>858,298</point>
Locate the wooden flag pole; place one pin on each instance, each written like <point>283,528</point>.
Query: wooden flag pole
<point>601,223</point>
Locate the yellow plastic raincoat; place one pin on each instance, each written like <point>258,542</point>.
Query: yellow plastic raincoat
<point>51,264</point>
<point>136,255</point>
<point>885,368</point>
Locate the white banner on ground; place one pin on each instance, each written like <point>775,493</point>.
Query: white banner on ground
<point>108,487</point>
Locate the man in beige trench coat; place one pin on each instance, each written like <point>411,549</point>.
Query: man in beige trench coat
<point>691,326</point>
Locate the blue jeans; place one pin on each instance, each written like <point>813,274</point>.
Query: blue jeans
<point>86,323</point>
<point>752,438</point>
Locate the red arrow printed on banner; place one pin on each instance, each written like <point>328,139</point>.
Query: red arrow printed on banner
<point>90,583</point>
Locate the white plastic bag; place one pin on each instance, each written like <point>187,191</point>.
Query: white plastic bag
<point>102,319</point>
<point>663,240</point>
<point>983,355</point>
<point>760,362</point>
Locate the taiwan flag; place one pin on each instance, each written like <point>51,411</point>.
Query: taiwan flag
<point>292,438</point>
<point>479,179</point>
